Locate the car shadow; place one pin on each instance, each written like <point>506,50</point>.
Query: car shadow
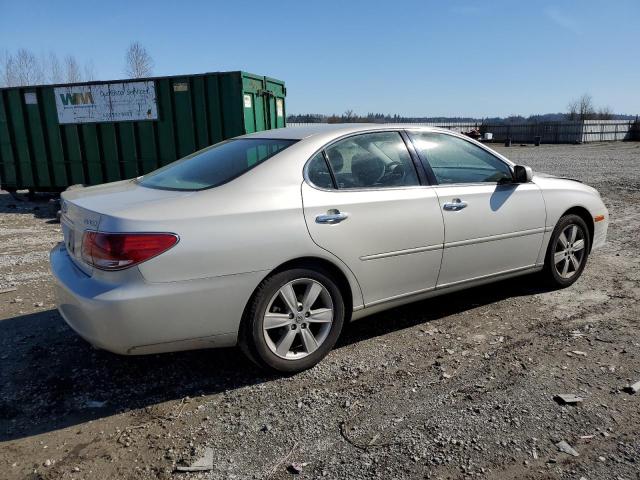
<point>438,307</point>
<point>500,195</point>
<point>52,379</point>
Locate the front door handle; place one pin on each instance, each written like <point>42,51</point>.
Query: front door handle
<point>455,205</point>
<point>332,217</point>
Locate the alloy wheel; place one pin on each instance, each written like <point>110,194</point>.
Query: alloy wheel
<point>569,252</point>
<point>298,319</point>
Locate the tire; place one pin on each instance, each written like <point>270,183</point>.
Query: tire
<point>269,324</point>
<point>560,269</point>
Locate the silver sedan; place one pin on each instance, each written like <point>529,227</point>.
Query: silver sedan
<point>274,240</point>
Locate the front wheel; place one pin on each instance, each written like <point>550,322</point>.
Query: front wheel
<point>567,252</point>
<point>293,320</point>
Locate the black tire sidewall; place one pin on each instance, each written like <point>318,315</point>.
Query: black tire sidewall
<point>254,342</point>
<point>552,275</point>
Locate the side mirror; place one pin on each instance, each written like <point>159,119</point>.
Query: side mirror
<point>522,174</point>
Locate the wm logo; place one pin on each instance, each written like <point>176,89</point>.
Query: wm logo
<point>76,98</point>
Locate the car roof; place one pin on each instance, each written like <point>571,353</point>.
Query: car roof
<point>318,134</point>
<point>331,129</point>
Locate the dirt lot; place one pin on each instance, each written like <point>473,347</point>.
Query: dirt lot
<point>455,387</point>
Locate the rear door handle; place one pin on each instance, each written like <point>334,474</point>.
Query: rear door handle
<point>332,217</point>
<point>455,205</point>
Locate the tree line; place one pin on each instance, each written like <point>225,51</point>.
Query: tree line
<point>580,109</point>
<point>23,67</point>
<point>350,117</point>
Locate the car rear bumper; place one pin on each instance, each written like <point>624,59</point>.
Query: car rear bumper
<point>136,317</point>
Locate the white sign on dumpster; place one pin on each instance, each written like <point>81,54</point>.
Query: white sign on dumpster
<point>108,102</point>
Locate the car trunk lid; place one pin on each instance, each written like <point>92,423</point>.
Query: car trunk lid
<point>95,208</point>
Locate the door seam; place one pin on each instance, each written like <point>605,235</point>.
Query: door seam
<point>306,224</point>
<point>444,235</point>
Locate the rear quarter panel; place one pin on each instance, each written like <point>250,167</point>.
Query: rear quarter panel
<point>252,224</point>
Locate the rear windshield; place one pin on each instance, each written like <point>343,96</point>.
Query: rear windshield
<point>215,165</point>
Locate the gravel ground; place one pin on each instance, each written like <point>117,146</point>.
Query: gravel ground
<point>458,386</point>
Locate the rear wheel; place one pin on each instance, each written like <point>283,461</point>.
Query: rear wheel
<point>293,320</point>
<point>567,252</point>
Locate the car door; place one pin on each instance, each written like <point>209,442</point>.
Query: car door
<point>492,225</point>
<point>364,203</point>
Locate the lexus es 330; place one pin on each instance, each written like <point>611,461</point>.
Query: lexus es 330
<point>274,240</point>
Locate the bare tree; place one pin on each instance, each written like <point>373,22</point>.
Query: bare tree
<point>5,69</point>
<point>586,109</point>
<point>28,68</point>
<point>572,110</point>
<point>54,69</point>
<point>89,71</point>
<point>138,62</point>
<point>348,116</point>
<point>581,108</point>
<point>72,72</point>
<point>605,113</point>
<point>23,68</point>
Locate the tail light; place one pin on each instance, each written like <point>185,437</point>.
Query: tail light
<point>116,251</point>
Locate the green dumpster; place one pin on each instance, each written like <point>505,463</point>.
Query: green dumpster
<point>54,136</point>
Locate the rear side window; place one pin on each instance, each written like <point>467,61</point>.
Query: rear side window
<point>455,160</point>
<point>372,160</point>
<point>318,172</point>
<point>214,165</point>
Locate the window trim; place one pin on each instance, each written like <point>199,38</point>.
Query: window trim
<point>422,179</point>
<point>331,174</point>
<point>423,174</point>
<point>329,169</point>
<point>431,174</point>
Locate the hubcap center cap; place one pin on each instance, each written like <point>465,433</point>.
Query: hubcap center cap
<point>299,318</point>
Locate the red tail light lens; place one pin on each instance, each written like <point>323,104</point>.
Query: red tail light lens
<point>116,251</point>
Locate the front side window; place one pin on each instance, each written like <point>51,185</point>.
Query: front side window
<point>372,160</point>
<point>214,165</point>
<point>455,160</point>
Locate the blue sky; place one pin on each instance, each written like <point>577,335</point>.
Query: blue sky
<point>449,58</point>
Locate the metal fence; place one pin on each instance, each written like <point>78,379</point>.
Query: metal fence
<point>605,130</point>
<point>549,132</point>
<point>563,132</point>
